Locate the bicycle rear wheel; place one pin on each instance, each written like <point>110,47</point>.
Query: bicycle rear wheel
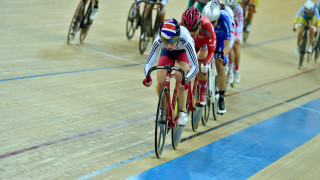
<point>132,21</point>
<point>144,36</point>
<point>75,22</point>
<point>86,24</point>
<point>161,123</point>
<point>177,129</point>
<point>197,113</point>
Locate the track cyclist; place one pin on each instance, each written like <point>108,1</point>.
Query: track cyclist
<point>177,47</point>
<point>160,11</point>
<point>252,9</point>
<point>234,60</point>
<point>308,14</point>
<point>205,40</point>
<point>220,21</point>
<point>95,9</point>
<point>229,67</point>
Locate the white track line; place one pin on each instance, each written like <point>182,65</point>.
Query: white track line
<point>105,54</point>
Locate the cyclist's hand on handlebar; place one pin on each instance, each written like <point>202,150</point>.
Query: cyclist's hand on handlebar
<point>205,69</point>
<point>185,86</point>
<point>147,84</point>
<point>224,61</point>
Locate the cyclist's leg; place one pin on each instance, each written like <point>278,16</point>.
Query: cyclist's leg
<point>312,22</point>
<point>222,79</point>
<point>236,50</point>
<point>203,78</point>
<point>251,12</point>
<point>183,63</point>
<point>94,12</point>
<point>165,59</point>
<point>147,11</point>
<point>161,10</point>
<point>303,21</point>
<point>230,76</point>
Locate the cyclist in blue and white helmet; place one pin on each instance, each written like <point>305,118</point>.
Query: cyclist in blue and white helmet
<point>221,23</point>
<point>308,14</point>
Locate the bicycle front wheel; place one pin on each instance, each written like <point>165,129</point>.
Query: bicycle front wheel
<point>206,111</point>
<point>197,113</point>
<point>75,22</point>
<point>302,48</point>
<point>161,123</point>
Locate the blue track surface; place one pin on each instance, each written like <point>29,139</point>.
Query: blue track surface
<point>246,152</point>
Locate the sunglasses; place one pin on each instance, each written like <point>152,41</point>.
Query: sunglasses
<point>195,29</point>
<point>171,40</point>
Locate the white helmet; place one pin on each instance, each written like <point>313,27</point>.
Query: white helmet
<point>318,4</point>
<point>232,2</point>
<point>211,11</point>
<point>308,6</point>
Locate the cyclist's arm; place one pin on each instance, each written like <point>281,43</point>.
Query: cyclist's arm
<point>193,60</point>
<point>211,41</point>
<point>226,35</point>
<point>154,52</point>
<point>317,16</point>
<point>299,13</point>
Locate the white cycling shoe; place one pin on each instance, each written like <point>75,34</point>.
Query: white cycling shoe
<point>230,78</point>
<point>94,13</point>
<point>183,118</point>
<point>237,76</point>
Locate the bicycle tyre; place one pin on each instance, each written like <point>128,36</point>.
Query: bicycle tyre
<point>196,114</point>
<point>161,125</point>
<point>132,22</point>
<point>317,50</point>
<point>215,100</point>
<point>75,22</point>
<point>302,49</point>
<point>206,111</point>
<point>156,27</point>
<point>86,23</point>
<point>144,37</point>
<point>177,129</point>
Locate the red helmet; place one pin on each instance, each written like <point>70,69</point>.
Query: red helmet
<point>191,19</point>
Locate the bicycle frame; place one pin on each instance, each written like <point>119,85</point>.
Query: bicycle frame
<point>171,120</point>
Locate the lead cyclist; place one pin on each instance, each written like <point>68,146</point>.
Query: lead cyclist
<point>177,49</point>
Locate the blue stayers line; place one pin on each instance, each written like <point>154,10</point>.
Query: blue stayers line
<point>69,72</point>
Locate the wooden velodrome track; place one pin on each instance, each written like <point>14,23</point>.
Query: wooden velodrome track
<point>70,110</point>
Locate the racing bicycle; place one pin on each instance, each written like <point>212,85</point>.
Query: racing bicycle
<point>167,111</point>
<point>80,21</point>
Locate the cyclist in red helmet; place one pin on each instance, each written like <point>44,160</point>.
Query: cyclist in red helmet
<point>203,34</point>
